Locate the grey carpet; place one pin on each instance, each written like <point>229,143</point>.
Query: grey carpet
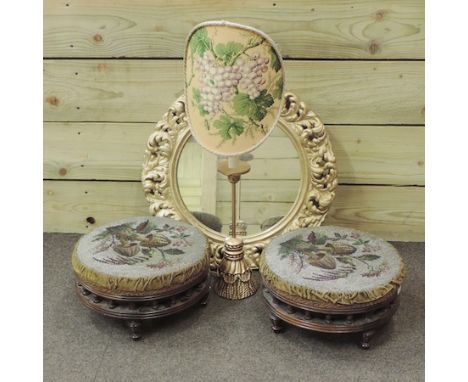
<point>226,341</point>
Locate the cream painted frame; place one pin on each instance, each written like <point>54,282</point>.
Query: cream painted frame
<point>317,185</point>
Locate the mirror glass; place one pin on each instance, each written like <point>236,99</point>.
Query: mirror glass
<point>265,194</point>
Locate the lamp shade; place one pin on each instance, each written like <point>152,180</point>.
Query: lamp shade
<point>234,80</point>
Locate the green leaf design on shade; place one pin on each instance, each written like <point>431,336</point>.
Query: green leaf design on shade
<point>277,88</point>
<point>368,257</point>
<point>197,98</point>
<point>256,108</point>
<point>228,51</point>
<point>229,127</point>
<point>196,95</point>
<point>200,42</point>
<point>202,111</point>
<point>275,62</point>
<point>243,105</point>
<point>173,251</point>
<point>264,99</point>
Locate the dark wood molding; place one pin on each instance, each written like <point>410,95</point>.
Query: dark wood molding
<point>135,309</point>
<point>330,318</point>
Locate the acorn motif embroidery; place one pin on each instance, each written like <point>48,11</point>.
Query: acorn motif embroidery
<point>155,241</point>
<point>322,260</point>
<point>127,250</point>
<point>341,249</point>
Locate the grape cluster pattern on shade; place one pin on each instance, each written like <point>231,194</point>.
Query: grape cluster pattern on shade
<point>234,82</point>
<point>220,81</point>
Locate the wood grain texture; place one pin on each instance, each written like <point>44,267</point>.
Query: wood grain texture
<point>394,213</point>
<point>303,29</point>
<point>68,204</point>
<point>340,92</point>
<point>379,154</point>
<point>115,151</point>
<point>100,111</point>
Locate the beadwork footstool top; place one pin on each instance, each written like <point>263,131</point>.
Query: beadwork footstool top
<point>332,264</point>
<point>140,254</point>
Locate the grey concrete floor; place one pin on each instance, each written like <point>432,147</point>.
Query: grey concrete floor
<point>226,341</point>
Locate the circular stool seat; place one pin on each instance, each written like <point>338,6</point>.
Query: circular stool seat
<point>141,267</point>
<point>349,279</point>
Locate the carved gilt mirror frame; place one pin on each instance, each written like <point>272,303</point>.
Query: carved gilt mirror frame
<point>317,168</point>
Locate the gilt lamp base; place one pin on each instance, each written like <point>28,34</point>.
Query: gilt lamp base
<point>235,281</point>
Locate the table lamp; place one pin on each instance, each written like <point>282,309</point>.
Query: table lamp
<point>234,81</point>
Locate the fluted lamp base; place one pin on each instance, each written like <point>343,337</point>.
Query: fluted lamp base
<point>234,281</point>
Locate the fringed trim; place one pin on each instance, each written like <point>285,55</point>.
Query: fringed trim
<point>234,267</point>
<point>137,286</point>
<point>235,290</point>
<point>231,279</point>
<point>333,297</point>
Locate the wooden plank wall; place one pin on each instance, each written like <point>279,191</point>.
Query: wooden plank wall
<point>112,68</point>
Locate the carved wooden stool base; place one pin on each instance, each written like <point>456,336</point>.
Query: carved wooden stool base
<point>364,319</point>
<point>135,309</point>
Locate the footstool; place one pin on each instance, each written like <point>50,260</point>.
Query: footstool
<point>331,279</point>
<point>141,268</point>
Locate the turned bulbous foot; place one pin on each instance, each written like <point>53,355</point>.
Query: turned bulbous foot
<point>135,329</point>
<point>366,338</point>
<point>204,300</point>
<point>276,324</point>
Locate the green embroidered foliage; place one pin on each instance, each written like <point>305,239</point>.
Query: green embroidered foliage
<point>102,235</point>
<point>277,88</point>
<point>346,260</point>
<point>339,236</point>
<point>361,242</point>
<point>292,243</point>
<point>229,127</point>
<point>321,239</point>
<point>318,238</point>
<point>196,95</point>
<point>283,252</point>
<point>228,51</point>
<point>200,42</point>
<point>114,230</point>
<point>264,99</point>
<point>368,257</point>
<point>275,62</point>
<point>256,108</point>
<point>119,228</point>
<point>197,98</point>
<point>173,251</point>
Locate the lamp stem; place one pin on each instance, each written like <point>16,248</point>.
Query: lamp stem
<point>234,280</point>
<point>234,205</point>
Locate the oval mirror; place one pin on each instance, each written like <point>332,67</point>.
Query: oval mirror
<point>180,179</point>
<point>265,195</point>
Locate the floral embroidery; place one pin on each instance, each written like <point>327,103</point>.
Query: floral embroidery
<point>238,83</point>
<point>335,257</point>
<point>137,243</point>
